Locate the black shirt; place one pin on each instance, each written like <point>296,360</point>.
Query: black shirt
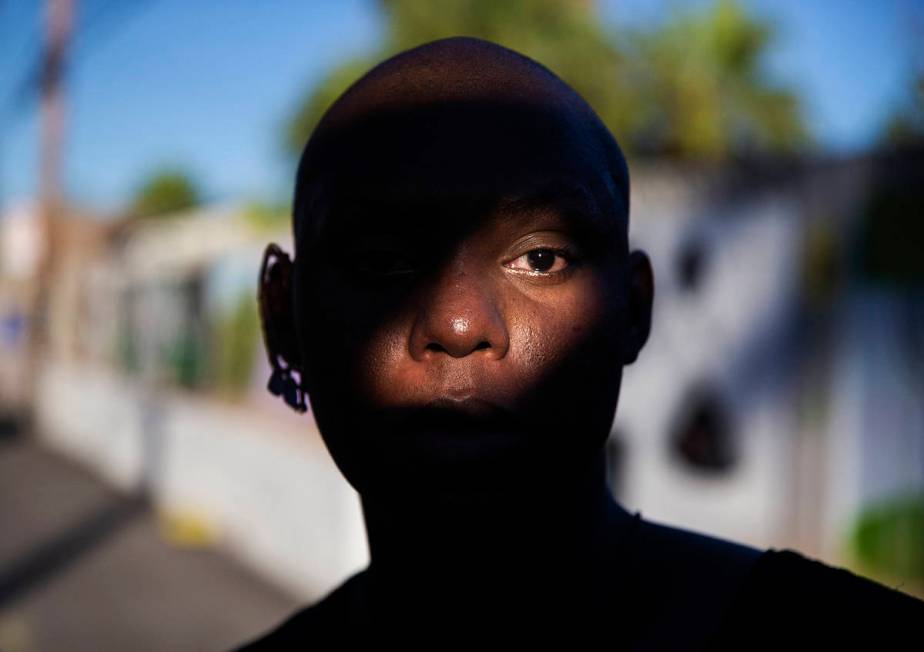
<point>683,591</point>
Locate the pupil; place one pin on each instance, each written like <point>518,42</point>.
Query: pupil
<point>541,259</point>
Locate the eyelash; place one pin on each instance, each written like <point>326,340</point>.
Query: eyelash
<point>562,252</point>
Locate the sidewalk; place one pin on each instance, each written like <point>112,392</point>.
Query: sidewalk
<point>83,567</point>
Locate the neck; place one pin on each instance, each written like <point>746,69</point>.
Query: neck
<point>504,548</point>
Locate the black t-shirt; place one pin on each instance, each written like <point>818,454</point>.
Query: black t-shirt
<point>790,601</point>
<point>685,591</point>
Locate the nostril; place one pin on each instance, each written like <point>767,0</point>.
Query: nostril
<point>436,346</point>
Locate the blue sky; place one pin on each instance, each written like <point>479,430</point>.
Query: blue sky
<point>207,85</point>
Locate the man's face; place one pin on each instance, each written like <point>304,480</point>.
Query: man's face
<point>468,342</point>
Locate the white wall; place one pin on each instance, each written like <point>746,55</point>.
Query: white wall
<point>732,327</point>
<point>266,484</point>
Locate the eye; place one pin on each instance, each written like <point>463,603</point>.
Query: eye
<point>381,263</point>
<point>543,260</point>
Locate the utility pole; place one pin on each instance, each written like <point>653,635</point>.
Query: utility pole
<point>58,26</point>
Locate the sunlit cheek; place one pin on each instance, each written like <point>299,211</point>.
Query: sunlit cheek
<point>546,335</point>
<point>529,344</point>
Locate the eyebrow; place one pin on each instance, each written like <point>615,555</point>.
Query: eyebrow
<point>573,201</point>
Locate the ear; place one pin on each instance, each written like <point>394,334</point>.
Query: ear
<point>277,310</point>
<point>641,298</point>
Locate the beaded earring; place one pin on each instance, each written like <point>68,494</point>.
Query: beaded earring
<point>282,381</point>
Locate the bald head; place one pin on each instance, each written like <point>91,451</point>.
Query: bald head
<point>457,119</point>
<point>459,69</point>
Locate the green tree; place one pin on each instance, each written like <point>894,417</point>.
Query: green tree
<point>693,86</point>
<point>705,89</point>
<point>165,191</point>
<point>887,538</point>
<point>268,216</point>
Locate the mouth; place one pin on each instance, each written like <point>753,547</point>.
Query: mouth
<point>451,443</point>
<point>462,409</point>
<point>456,426</point>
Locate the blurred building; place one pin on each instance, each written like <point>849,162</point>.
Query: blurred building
<point>779,393</point>
<point>20,255</point>
<point>79,239</point>
<point>154,376</point>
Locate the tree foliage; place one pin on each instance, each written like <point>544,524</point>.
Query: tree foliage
<point>691,86</point>
<point>704,89</point>
<point>888,537</point>
<point>165,191</point>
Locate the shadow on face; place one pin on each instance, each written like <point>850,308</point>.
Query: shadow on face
<point>463,297</point>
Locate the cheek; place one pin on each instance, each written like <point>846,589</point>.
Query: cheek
<point>553,332</point>
<point>570,356</point>
<point>357,345</point>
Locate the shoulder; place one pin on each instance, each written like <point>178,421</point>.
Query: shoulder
<point>792,597</point>
<point>687,551</point>
<point>808,580</point>
<point>326,619</point>
<point>678,583</point>
<point>684,582</point>
<point>683,562</point>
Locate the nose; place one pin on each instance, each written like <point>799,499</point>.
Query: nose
<point>458,315</point>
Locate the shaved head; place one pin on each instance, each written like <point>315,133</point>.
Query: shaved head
<point>461,122</point>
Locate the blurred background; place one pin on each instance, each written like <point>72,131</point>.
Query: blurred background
<point>154,496</point>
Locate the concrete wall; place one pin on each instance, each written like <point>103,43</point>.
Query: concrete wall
<point>265,485</point>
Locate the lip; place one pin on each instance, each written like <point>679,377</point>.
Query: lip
<point>459,415</point>
<point>467,405</point>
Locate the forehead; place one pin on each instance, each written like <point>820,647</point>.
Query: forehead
<point>460,146</point>
<point>573,204</point>
<point>464,161</point>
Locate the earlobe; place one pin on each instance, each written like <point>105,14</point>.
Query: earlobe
<point>640,302</point>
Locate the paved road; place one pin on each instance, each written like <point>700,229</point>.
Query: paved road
<point>83,567</point>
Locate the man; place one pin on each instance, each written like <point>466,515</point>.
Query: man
<point>459,311</point>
